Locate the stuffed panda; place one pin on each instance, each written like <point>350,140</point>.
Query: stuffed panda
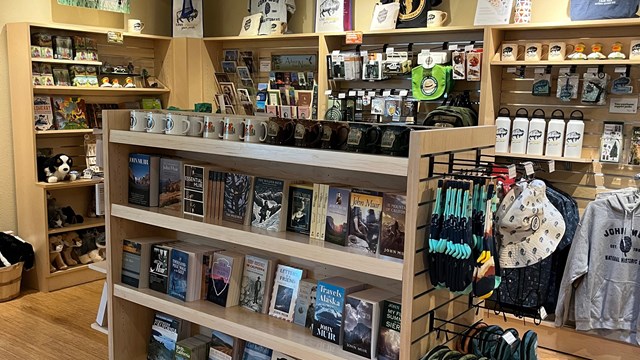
<point>55,168</point>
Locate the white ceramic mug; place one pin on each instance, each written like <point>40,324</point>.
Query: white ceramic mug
<point>138,121</point>
<point>212,127</point>
<point>255,130</point>
<point>436,18</point>
<point>196,127</point>
<point>177,124</point>
<point>232,129</point>
<point>135,26</point>
<point>156,122</point>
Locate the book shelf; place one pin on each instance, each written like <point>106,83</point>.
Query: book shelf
<point>153,53</point>
<point>131,310</point>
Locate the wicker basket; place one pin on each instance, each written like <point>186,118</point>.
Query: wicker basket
<point>10,278</point>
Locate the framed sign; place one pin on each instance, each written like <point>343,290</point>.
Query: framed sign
<point>307,62</point>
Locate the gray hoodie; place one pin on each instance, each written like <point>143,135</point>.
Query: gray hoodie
<point>604,267</point>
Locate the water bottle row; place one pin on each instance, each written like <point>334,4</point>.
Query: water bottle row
<point>538,136</point>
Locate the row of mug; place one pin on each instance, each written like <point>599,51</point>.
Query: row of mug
<point>355,137</point>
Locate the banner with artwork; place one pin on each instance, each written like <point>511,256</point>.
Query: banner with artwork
<point>187,18</point>
<point>120,6</point>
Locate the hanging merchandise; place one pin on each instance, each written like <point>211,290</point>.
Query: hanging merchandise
<point>537,127</point>
<point>503,130</point>
<point>555,134</point>
<point>459,63</point>
<point>188,18</point>
<point>474,65</point>
<point>520,132</point>
<point>541,85</point>
<point>431,83</point>
<point>568,87</point>
<point>634,150</point>
<point>611,142</point>
<point>594,90</point>
<point>601,279</point>
<point>372,67</point>
<point>603,9</point>
<point>575,135</point>
<point>622,85</point>
<point>273,11</point>
<point>413,13</point>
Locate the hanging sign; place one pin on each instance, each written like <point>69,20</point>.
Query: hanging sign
<point>120,6</point>
<point>187,18</point>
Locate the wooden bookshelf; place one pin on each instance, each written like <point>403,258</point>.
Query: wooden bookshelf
<point>97,91</point>
<point>87,224</point>
<point>68,184</point>
<point>544,157</point>
<point>62,133</point>
<point>66,62</point>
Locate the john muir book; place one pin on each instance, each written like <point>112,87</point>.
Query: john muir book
<point>257,281</point>
<point>143,179</point>
<point>364,220</point>
<point>300,205</point>
<point>362,320</point>
<point>389,333</point>
<point>393,222</point>
<point>330,299</point>
<point>285,292</point>
<point>170,184</point>
<point>337,224</point>
<point>237,198</point>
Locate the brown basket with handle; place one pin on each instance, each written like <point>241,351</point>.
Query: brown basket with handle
<point>10,278</point>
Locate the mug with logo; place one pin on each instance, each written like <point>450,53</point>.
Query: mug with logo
<point>334,135</point>
<point>363,138</point>
<point>308,133</point>
<point>395,140</point>
<point>177,124</point>
<point>135,26</point>
<point>138,120</point>
<point>436,18</point>
<point>510,52</point>
<point>212,127</point>
<point>255,130</point>
<point>197,126</point>
<point>232,129</point>
<point>156,122</point>
<point>634,53</point>
<point>280,131</point>
<point>558,50</point>
<point>533,52</point>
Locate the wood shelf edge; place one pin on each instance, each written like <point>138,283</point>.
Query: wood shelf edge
<point>100,329</point>
<point>545,158</point>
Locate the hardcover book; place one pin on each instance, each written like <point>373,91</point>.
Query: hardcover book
<point>195,187</point>
<point>389,334</point>
<point>178,274</point>
<point>224,347</point>
<point>237,198</point>
<point>299,212</point>
<point>43,113</point>
<point>634,151</point>
<point>337,218</point>
<point>159,268</point>
<point>362,320</point>
<point>256,352</point>
<point>170,183</point>
<point>226,273</point>
<point>393,221</point>
<point>165,333</point>
<point>269,204</point>
<point>257,281</point>
<point>305,303</point>
<point>364,221</point>
<point>136,254</point>
<point>330,299</point>
<point>143,179</point>
<point>70,113</point>
<point>285,292</point>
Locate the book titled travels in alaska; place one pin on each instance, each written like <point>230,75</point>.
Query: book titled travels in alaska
<point>364,220</point>
<point>392,233</point>
<point>330,299</point>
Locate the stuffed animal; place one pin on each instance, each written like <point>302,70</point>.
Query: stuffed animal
<point>55,248</point>
<point>56,168</point>
<point>14,250</point>
<point>89,250</point>
<point>71,241</point>
<point>54,213</point>
<point>71,216</point>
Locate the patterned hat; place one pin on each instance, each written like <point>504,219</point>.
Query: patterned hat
<point>530,226</point>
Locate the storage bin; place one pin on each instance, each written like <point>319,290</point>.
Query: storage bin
<point>10,278</point>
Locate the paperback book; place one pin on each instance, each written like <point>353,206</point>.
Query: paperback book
<point>224,347</point>
<point>299,212</point>
<point>237,198</point>
<point>194,190</point>
<point>214,196</point>
<point>337,218</point>
<point>143,179</point>
<point>256,352</point>
<point>362,320</point>
<point>136,254</point>
<point>43,113</point>
<point>165,333</point>
<point>226,273</point>
<point>257,281</point>
<point>193,348</point>
<point>330,299</point>
<point>160,267</point>
<point>170,183</point>
<point>364,221</point>
<point>393,221</point>
<point>306,303</point>
<point>270,199</point>
<point>389,334</point>
<point>70,113</point>
<point>178,274</point>
<point>285,292</point>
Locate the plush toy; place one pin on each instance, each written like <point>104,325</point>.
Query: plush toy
<point>55,248</point>
<point>56,168</point>
<point>14,250</point>
<point>71,241</point>
<point>54,213</point>
<point>89,250</point>
<point>71,216</point>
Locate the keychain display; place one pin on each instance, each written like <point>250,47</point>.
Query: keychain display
<point>398,63</point>
<point>459,62</point>
<point>568,87</point>
<point>594,90</point>
<point>596,52</point>
<point>578,52</point>
<point>611,142</point>
<point>377,106</point>
<point>616,52</point>
<point>372,67</point>
<point>352,66</point>
<point>541,85</point>
<point>622,85</point>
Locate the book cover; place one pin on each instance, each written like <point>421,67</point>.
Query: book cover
<point>70,113</point>
<point>256,352</point>
<point>305,303</point>
<point>330,299</point>
<point>268,199</point>
<point>389,334</point>
<point>136,254</point>
<point>194,190</point>
<point>362,320</point>
<point>299,212</point>
<point>143,179</point>
<point>364,220</point>
<point>258,273</point>
<point>226,273</point>
<point>164,336</point>
<point>170,183</point>
<point>634,156</point>
<point>285,292</point>
<point>313,232</point>
<point>237,198</point>
<point>280,356</point>
<point>322,219</point>
<point>336,227</point>
<point>223,346</point>
<point>393,220</point>
<point>159,268</point>
<point>178,274</point>
<point>43,113</point>
<point>193,348</point>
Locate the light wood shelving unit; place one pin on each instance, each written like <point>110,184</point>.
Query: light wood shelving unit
<point>543,157</point>
<point>131,309</point>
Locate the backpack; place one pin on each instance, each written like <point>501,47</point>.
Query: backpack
<point>603,9</point>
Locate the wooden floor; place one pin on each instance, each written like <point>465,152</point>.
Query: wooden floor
<point>57,326</point>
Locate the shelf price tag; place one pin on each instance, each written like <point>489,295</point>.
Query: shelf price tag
<point>353,37</point>
<point>621,70</point>
<point>592,70</point>
<point>552,166</point>
<point>342,96</point>
<point>512,171</point>
<point>372,93</point>
<point>361,93</point>
<point>425,51</point>
<point>511,70</point>
<point>468,48</point>
<point>528,168</point>
<point>539,70</point>
<point>352,93</point>
<point>390,50</point>
<point>509,338</point>
<point>404,92</point>
<point>453,47</point>
<point>335,52</point>
<point>564,70</point>
<point>386,93</point>
<point>327,92</point>
<point>364,53</point>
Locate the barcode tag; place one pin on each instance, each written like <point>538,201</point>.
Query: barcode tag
<point>404,92</point>
<point>620,70</point>
<point>564,70</point>
<point>361,93</point>
<point>592,70</point>
<point>372,93</point>
<point>390,50</point>
<point>342,96</point>
<point>425,51</point>
<point>352,93</point>
<point>327,92</point>
<point>552,167</point>
<point>512,171</point>
<point>453,47</point>
<point>335,52</point>
<point>528,168</point>
<point>543,313</point>
<point>386,93</point>
<point>468,48</point>
<point>509,338</point>
<point>364,53</point>
<point>511,70</point>
<point>538,70</point>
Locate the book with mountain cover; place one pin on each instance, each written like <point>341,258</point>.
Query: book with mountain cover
<point>389,332</point>
<point>257,281</point>
<point>270,200</point>
<point>136,256</point>
<point>364,220</point>
<point>178,274</point>
<point>144,179</point>
<point>330,299</point>
<point>225,347</point>
<point>393,222</point>
<point>285,292</point>
<point>237,198</point>
<point>193,348</point>
<point>362,320</point>
<point>166,331</point>
<point>337,219</point>
<point>170,183</point>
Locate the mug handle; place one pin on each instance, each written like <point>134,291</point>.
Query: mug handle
<point>243,134</point>
<point>264,126</point>
<point>166,122</point>
<point>291,128</point>
<point>141,26</point>
<point>186,130</point>
<point>201,123</point>
<point>445,17</point>
<point>221,133</point>
<point>346,138</point>
<point>318,138</point>
<point>148,119</point>
<point>378,132</point>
